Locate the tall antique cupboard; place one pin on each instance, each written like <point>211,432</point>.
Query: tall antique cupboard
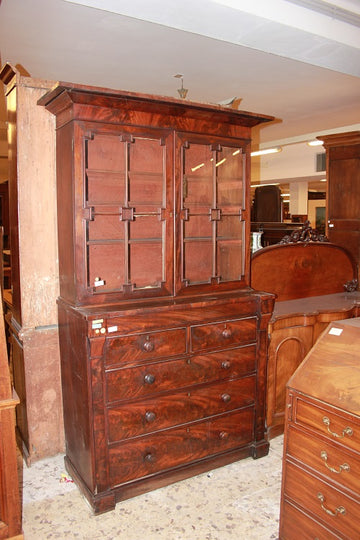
<point>343,194</point>
<point>163,342</point>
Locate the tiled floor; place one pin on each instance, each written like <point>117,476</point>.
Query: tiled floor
<point>239,501</point>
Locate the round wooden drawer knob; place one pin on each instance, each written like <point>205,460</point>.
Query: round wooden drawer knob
<point>148,346</point>
<point>226,333</point>
<point>150,416</point>
<point>149,378</point>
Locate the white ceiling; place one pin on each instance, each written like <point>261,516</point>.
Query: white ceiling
<point>299,64</point>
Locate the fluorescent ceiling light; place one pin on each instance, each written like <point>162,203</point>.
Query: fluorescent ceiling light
<point>316,142</point>
<point>261,185</point>
<point>266,151</point>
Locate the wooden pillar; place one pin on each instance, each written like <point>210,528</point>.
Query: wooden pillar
<point>35,281</point>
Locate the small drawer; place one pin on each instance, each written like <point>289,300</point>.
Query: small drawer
<point>222,335</point>
<point>328,459</point>
<point>178,408</point>
<point>341,429</point>
<point>164,450</point>
<point>335,509</point>
<point>296,525</point>
<point>151,378</point>
<point>134,348</point>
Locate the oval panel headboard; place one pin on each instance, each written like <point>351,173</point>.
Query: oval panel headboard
<point>302,269</point>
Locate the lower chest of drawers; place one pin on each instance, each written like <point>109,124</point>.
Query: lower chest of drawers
<point>159,399</point>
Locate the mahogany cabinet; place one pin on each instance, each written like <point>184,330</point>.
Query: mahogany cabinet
<point>163,342</point>
<point>321,467</point>
<point>343,193</point>
<point>293,330</point>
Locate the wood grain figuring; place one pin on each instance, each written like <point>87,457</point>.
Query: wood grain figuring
<point>311,269</point>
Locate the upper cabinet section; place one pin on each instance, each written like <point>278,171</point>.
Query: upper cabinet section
<point>153,195</point>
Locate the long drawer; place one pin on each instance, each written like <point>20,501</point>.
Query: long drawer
<point>341,429</point>
<point>144,380</point>
<point>317,497</point>
<point>296,525</point>
<point>174,447</point>
<point>179,407</point>
<point>331,460</point>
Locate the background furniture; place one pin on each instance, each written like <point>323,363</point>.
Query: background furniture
<point>343,193</point>
<point>273,232</point>
<point>163,343</point>
<point>320,484</point>
<point>10,504</point>
<point>267,204</point>
<point>308,280</point>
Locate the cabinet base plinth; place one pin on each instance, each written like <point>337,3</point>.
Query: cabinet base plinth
<point>105,501</point>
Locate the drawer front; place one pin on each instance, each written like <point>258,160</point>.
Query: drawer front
<point>222,335</point>
<point>167,449</point>
<point>296,525</point>
<point>134,348</point>
<point>325,421</point>
<point>330,460</point>
<point>332,507</point>
<point>179,407</point>
<point>144,380</point>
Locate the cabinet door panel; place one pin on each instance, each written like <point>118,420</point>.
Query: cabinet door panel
<point>128,226</point>
<point>287,349</point>
<point>212,212</point>
<point>106,266</point>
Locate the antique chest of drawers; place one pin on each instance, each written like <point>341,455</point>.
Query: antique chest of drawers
<point>150,398</point>
<point>321,469</point>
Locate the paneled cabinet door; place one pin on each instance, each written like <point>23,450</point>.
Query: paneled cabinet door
<point>287,349</point>
<point>127,212</point>
<point>212,211</point>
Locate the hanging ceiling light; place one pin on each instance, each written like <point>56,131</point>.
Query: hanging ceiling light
<point>182,91</point>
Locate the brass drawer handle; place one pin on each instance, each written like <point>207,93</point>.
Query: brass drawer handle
<point>148,345</point>
<point>339,510</point>
<point>343,467</point>
<point>226,333</point>
<point>226,398</point>
<point>346,431</point>
<point>223,435</point>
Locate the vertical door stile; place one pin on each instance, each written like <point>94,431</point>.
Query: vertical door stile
<point>214,223</point>
<point>127,275</point>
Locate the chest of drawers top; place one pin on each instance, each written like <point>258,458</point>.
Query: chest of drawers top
<point>331,371</point>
